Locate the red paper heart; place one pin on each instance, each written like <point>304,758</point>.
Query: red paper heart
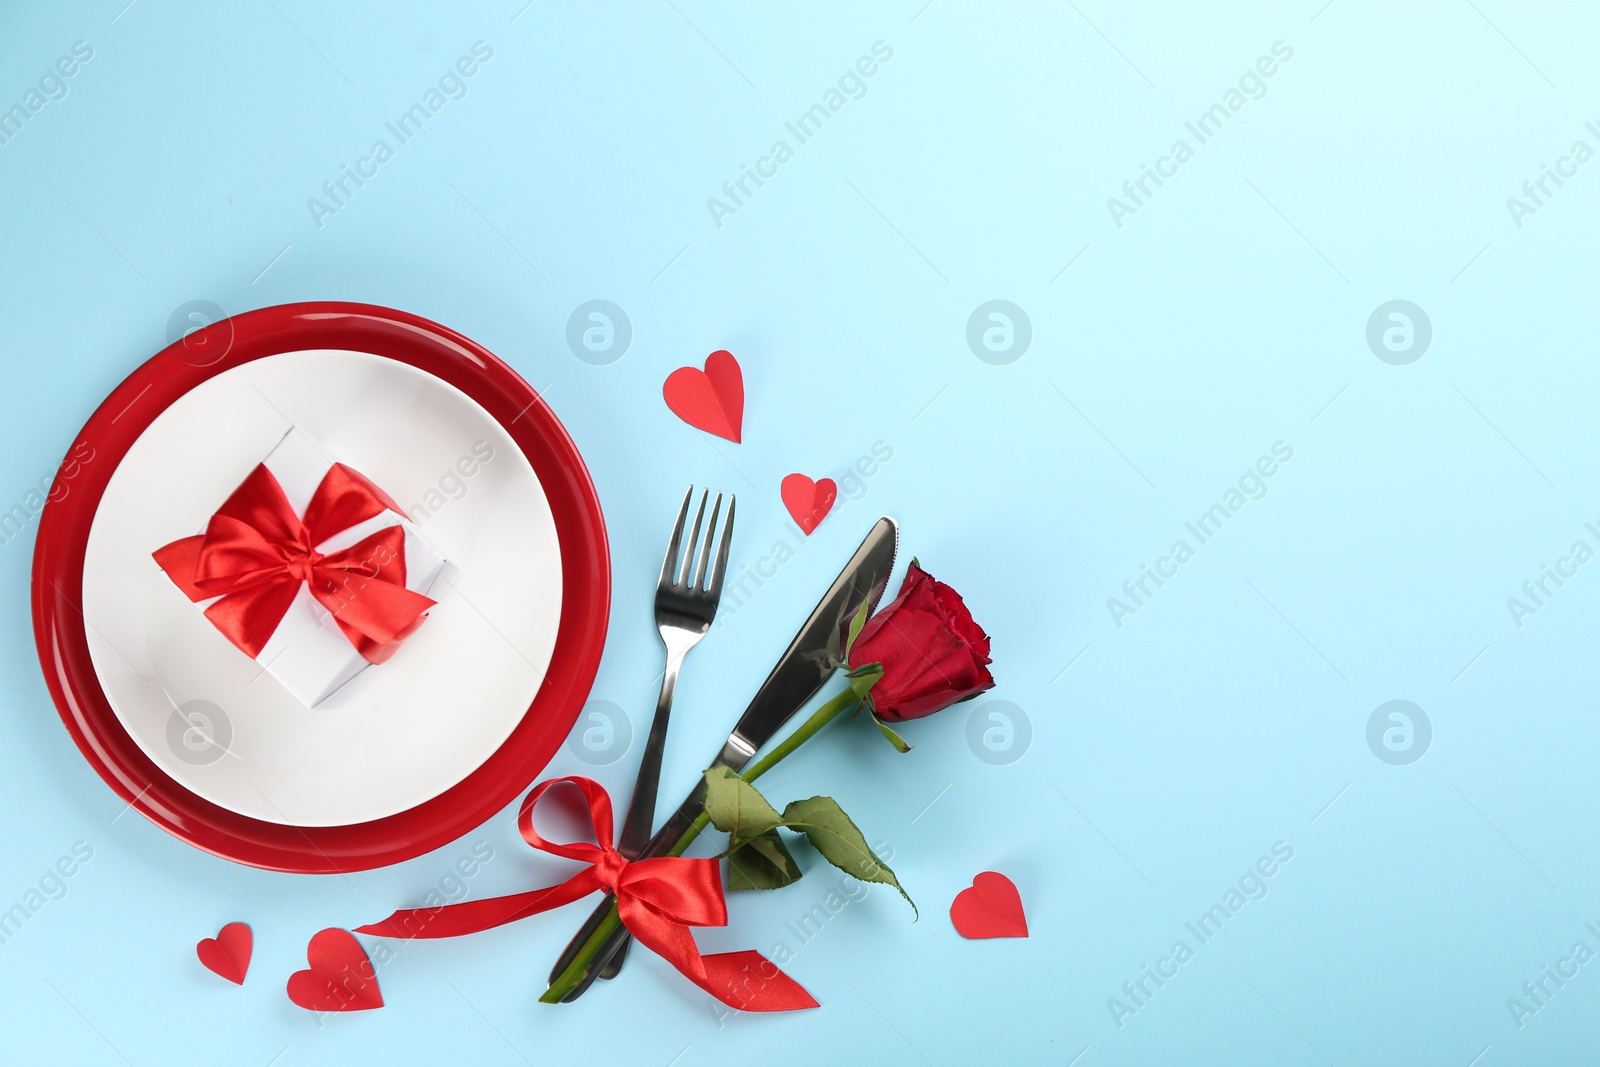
<point>991,908</point>
<point>340,978</point>
<point>711,400</point>
<point>227,954</point>
<point>808,502</point>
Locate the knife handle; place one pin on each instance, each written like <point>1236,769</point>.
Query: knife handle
<point>658,845</point>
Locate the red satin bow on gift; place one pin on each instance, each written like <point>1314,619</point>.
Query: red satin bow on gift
<point>658,899</point>
<point>256,552</point>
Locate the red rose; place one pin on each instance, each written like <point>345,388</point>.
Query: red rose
<point>932,652</point>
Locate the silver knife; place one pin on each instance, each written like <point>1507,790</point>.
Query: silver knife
<point>799,673</point>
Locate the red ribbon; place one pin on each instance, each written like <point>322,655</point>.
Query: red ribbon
<point>256,552</point>
<point>658,899</point>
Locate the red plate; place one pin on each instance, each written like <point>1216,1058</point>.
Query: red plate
<point>63,536</point>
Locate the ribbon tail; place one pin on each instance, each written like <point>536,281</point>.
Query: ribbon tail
<point>374,615</point>
<point>473,916</point>
<point>746,981</point>
<point>369,649</point>
<point>754,983</point>
<point>249,618</point>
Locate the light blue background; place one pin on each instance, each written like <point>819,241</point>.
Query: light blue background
<point>1168,354</point>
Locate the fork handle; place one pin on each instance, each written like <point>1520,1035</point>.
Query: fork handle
<point>641,817</point>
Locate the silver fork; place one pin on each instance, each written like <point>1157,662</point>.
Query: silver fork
<point>686,603</point>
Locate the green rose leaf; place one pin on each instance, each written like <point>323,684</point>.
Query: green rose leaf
<point>735,807</point>
<point>855,627</point>
<point>832,833</point>
<point>893,738</point>
<point>862,679</point>
<point>762,863</point>
<point>842,637</point>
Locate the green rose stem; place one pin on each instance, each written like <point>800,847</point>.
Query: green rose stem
<point>572,977</point>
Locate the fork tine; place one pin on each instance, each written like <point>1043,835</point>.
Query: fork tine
<point>694,539</point>
<point>669,566</point>
<point>700,574</point>
<point>722,553</point>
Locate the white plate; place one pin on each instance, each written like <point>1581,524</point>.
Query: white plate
<point>401,733</point>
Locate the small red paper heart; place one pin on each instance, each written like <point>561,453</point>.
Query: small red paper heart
<point>711,400</point>
<point>808,502</point>
<point>991,908</point>
<point>340,978</point>
<point>227,954</point>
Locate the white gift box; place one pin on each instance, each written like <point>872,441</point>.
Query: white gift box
<point>308,653</point>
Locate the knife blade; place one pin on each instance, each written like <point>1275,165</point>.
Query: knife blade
<point>799,673</point>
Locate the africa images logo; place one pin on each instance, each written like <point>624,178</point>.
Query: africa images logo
<point>1138,191</point>
<point>1251,486</point>
<point>737,192</point>
<point>1252,885</point>
<point>451,85</point>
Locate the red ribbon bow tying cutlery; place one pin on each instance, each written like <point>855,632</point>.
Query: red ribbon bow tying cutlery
<point>658,899</point>
<point>256,552</point>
